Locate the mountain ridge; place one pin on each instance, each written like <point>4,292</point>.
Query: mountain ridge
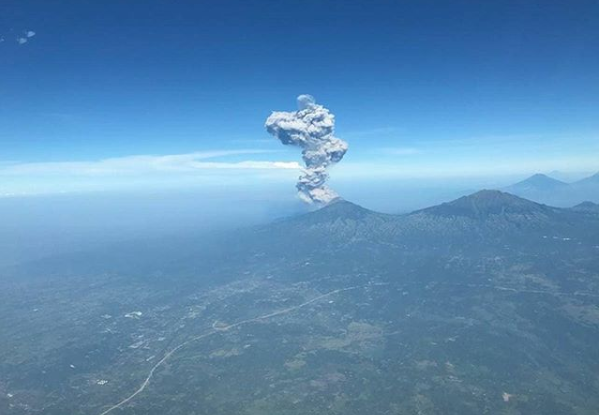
<point>485,203</point>
<point>483,220</point>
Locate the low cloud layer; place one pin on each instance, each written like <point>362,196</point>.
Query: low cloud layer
<point>218,169</point>
<point>142,164</point>
<point>312,129</point>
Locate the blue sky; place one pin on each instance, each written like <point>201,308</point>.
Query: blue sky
<point>114,94</point>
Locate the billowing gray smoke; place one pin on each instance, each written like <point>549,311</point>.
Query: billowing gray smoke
<point>311,129</point>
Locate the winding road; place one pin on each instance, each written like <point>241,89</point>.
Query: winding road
<point>215,331</point>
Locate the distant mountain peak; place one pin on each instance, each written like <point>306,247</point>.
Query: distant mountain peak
<point>547,190</point>
<point>540,180</point>
<point>540,176</point>
<point>486,203</point>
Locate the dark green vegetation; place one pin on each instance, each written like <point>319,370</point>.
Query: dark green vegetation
<point>487,304</point>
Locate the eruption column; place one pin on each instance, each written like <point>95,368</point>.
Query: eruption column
<point>311,129</point>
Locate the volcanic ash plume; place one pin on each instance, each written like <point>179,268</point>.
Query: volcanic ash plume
<point>311,129</point>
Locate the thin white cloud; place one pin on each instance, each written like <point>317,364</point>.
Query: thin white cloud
<point>30,33</point>
<point>21,40</point>
<point>146,164</point>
